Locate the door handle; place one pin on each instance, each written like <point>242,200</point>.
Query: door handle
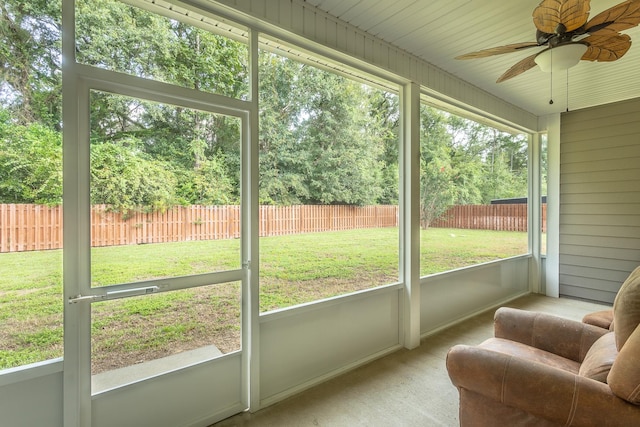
<point>115,294</point>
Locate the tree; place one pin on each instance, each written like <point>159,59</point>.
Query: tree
<point>115,36</point>
<point>30,52</point>
<point>341,154</point>
<point>282,175</point>
<point>201,60</point>
<point>319,142</point>
<point>495,162</point>
<point>437,193</point>
<point>180,170</point>
<point>384,118</point>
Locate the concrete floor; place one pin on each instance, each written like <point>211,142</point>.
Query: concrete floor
<point>406,388</point>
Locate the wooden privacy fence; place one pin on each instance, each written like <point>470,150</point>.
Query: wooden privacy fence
<point>26,227</point>
<point>34,227</point>
<point>30,227</point>
<point>504,217</point>
<point>279,220</point>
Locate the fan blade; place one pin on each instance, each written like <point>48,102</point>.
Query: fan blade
<point>518,68</point>
<point>549,14</point>
<point>606,48</point>
<point>615,19</point>
<point>498,50</point>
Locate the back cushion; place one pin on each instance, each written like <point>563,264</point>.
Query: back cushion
<point>624,377</point>
<point>626,308</point>
<point>599,359</point>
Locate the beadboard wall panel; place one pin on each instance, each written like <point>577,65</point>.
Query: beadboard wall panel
<point>599,199</point>
<point>301,19</point>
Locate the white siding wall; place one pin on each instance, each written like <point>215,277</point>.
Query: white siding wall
<point>599,199</point>
<point>299,18</point>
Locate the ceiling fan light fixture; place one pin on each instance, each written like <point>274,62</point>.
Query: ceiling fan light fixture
<point>561,57</point>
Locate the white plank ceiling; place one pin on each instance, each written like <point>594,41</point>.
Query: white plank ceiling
<point>439,30</point>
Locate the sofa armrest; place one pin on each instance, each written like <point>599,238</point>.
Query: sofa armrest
<point>545,392</point>
<point>564,337</point>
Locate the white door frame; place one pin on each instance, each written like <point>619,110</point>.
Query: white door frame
<point>78,80</point>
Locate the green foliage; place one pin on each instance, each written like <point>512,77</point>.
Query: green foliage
<point>30,163</point>
<point>126,179</point>
<point>204,61</point>
<point>169,154</point>
<point>384,116</point>
<point>341,155</point>
<point>436,172</point>
<point>323,138</point>
<point>116,36</point>
<point>282,179</point>
<point>208,184</point>
<point>191,163</point>
<point>486,156</point>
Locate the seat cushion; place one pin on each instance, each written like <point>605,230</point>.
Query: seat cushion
<point>599,359</point>
<point>626,308</point>
<point>533,354</point>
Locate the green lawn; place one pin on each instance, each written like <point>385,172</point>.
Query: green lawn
<point>293,269</point>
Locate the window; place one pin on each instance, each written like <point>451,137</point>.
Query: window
<point>30,185</point>
<point>473,192</point>
<point>328,181</point>
<point>116,36</point>
<point>165,190</point>
<point>164,204</point>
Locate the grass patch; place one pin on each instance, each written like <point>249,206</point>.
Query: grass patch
<point>132,330</point>
<point>443,249</point>
<point>293,270</point>
<point>122,264</point>
<point>302,268</point>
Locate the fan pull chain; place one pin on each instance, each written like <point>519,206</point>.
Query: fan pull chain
<point>551,79</point>
<point>567,90</point>
<point>551,88</point>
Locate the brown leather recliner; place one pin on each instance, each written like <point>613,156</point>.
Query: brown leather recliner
<point>543,370</point>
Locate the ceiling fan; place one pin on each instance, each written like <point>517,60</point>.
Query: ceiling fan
<point>563,28</point>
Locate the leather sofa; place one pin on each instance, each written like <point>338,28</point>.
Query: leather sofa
<point>544,370</point>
